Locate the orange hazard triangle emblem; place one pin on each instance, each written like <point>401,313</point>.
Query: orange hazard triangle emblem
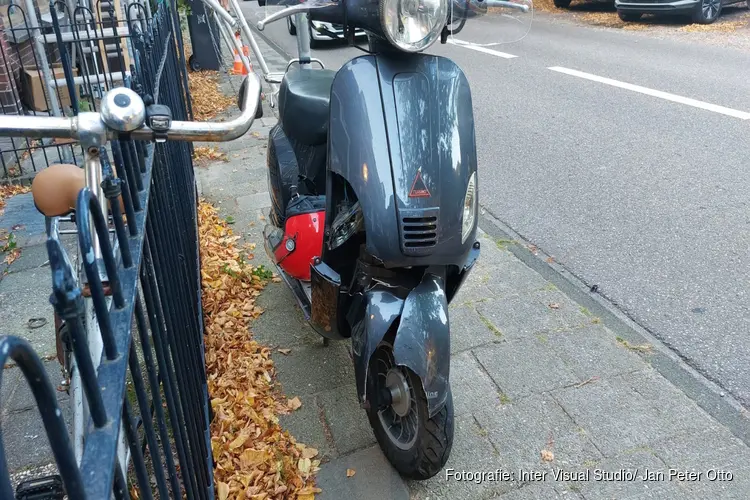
<point>418,187</point>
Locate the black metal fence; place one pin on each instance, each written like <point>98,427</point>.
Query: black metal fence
<point>151,379</point>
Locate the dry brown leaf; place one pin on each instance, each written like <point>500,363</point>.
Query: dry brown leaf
<point>294,403</point>
<point>207,99</point>
<point>309,453</point>
<point>284,351</point>
<point>547,456</point>
<point>204,154</point>
<point>255,457</point>
<point>223,490</point>
<point>304,465</point>
<point>554,305</point>
<point>350,472</point>
<point>12,256</point>
<point>9,190</point>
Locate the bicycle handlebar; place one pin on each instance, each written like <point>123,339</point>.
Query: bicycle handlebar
<point>37,127</point>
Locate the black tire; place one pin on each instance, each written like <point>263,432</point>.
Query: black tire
<point>278,198</point>
<point>261,3</point>
<point>629,17</point>
<point>194,65</point>
<point>428,451</point>
<point>292,28</point>
<point>707,11</point>
<point>562,4</point>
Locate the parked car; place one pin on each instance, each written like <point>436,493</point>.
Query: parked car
<point>702,11</point>
<point>319,31</point>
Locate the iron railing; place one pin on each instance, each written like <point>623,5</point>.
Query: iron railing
<point>152,378</point>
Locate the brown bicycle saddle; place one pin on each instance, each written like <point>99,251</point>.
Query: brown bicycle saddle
<point>55,189</point>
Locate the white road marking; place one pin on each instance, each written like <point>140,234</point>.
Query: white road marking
<point>480,48</point>
<point>742,115</point>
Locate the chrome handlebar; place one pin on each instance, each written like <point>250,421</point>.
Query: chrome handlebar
<point>85,125</point>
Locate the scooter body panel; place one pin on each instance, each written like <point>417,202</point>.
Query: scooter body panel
<point>401,133</point>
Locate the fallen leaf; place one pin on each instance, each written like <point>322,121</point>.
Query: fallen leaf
<point>223,490</point>
<point>304,465</point>
<point>550,260</point>
<point>255,458</point>
<point>554,305</point>
<point>284,351</point>
<point>350,472</point>
<point>547,456</point>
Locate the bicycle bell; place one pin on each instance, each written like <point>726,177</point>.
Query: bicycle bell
<point>123,110</point>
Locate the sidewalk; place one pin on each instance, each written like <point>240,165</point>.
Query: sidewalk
<point>540,385</point>
<point>25,310</point>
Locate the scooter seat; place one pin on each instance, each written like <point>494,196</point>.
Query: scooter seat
<point>304,100</point>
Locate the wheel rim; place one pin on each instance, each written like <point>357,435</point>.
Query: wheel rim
<point>399,419</point>
<point>710,8</point>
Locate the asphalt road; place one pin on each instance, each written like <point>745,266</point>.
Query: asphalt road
<point>643,193</point>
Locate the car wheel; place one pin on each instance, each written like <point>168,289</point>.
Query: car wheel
<point>562,4</point>
<point>629,17</point>
<point>292,28</point>
<point>261,3</point>
<point>707,12</point>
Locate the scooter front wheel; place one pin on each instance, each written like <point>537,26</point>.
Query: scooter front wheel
<point>417,446</point>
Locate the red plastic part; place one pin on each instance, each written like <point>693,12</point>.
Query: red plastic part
<point>305,232</point>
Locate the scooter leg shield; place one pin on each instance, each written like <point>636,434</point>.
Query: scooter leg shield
<point>423,339</point>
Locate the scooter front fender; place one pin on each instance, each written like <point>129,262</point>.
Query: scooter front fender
<point>422,340</point>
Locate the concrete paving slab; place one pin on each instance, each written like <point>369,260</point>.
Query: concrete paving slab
<point>520,430</point>
<point>468,330</point>
<point>23,398</point>
<point>472,452</point>
<point>25,295</point>
<point>374,478</point>
<point>593,351</point>
<point>25,439</point>
<point>539,491</point>
<point>21,214</point>
<point>313,369</point>
<point>627,420</point>
<point>348,422</point>
<point>524,367</point>
<point>253,201</point>
<point>722,461</point>
<point>307,424</point>
<point>472,388</point>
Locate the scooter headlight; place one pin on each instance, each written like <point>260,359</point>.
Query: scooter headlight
<point>413,25</point>
<point>470,208</point>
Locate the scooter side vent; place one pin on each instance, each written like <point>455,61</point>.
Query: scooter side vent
<point>419,232</point>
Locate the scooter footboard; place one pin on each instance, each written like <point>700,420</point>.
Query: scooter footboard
<point>422,339</point>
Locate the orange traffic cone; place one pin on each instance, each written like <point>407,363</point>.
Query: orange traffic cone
<point>239,68</point>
